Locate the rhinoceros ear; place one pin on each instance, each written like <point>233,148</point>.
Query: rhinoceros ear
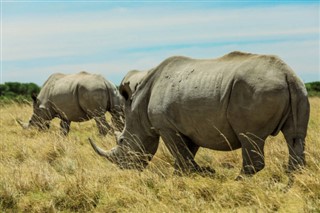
<point>125,90</point>
<point>34,97</point>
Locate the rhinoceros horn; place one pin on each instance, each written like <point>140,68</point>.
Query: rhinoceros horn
<point>22,124</point>
<point>101,152</point>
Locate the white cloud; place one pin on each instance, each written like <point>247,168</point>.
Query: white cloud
<point>305,63</point>
<point>48,36</point>
<point>120,39</point>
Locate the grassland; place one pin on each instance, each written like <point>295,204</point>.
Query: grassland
<point>44,172</point>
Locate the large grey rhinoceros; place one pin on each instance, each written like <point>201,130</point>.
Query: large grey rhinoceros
<point>227,103</point>
<point>77,97</point>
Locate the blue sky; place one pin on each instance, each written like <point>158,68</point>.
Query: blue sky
<point>39,38</point>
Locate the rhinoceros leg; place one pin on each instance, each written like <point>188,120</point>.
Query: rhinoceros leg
<point>193,148</point>
<point>183,150</point>
<point>295,133</point>
<point>102,125</point>
<point>65,127</point>
<point>252,153</point>
<point>296,153</point>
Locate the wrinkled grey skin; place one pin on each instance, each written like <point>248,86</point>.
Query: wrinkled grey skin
<point>76,98</point>
<point>228,103</point>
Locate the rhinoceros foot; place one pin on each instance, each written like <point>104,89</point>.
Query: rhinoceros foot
<point>203,171</point>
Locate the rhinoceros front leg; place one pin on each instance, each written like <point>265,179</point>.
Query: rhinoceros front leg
<point>184,151</point>
<point>252,154</point>
<point>65,127</point>
<point>102,125</point>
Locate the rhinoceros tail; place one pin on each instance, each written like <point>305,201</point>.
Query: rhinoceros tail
<point>295,127</point>
<point>298,120</point>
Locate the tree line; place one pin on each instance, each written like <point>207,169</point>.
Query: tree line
<point>21,92</point>
<point>17,92</point>
<point>313,88</point>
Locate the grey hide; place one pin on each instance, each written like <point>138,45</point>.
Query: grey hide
<point>76,98</point>
<point>227,103</point>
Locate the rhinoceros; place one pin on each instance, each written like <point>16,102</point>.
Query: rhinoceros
<point>76,98</point>
<point>235,101</point>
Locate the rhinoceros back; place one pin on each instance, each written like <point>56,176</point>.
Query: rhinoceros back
<point>45,92</point>
<point>210,100</point>
<point>79,97</point>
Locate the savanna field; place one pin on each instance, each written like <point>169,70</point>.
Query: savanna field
<point>45,172</point>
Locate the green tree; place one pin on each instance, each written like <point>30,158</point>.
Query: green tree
<point>313,88</point>
<point>3,89</point>
<point>33,88</point>
<point>18,91</point>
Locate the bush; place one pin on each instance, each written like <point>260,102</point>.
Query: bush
<point>313,88</point>
<point>17,92</point>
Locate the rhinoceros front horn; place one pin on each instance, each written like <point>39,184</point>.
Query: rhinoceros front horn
<point>101,152</point>
<point>23,125</point>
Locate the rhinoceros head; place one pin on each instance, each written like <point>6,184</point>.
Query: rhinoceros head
<point>41,115</point>
<point>137,143</point>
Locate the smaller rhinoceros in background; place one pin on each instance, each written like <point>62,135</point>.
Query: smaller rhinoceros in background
<point>76,98</point>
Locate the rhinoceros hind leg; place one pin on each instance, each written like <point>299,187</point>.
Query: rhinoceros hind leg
<point>102,125</point>
<point>295,138</point>
<point>296,153</point>
<point>65,127</point>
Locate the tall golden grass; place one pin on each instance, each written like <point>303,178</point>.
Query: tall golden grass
<point>45,172</point>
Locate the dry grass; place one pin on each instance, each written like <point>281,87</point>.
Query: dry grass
<point>44,172</point>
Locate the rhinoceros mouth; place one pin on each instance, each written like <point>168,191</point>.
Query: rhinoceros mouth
<point>134,161</point>
<point>123,157</point>
<point>41,126</point>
